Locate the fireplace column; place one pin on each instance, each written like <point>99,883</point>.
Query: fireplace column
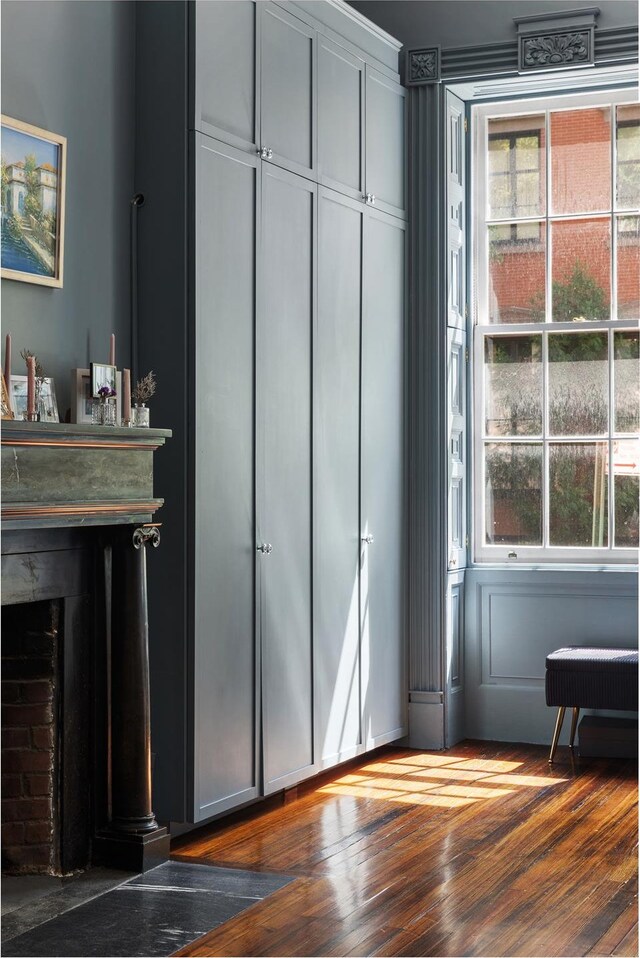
<point>133,839</point>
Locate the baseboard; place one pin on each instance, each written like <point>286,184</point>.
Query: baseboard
<point>426,725</point>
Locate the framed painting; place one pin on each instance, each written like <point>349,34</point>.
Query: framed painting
<point>82,395</point>
<point>33,186</point>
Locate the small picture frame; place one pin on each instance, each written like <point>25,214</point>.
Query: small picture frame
<point>7,411</point>
<point>46,403</point>
<point>102,376</point>
<point>82,395</point>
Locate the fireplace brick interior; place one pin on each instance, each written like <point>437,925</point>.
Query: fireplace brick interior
<point>29,737</point>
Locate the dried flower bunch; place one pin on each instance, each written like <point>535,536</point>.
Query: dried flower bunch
<point>145,388</point>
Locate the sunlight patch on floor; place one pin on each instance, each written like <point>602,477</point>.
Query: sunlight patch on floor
<point>444,781</point>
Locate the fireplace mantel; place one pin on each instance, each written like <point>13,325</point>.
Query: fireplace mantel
<point>58,475</point>
<point>69,493</point>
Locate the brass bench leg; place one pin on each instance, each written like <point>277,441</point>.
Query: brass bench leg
<point>556,732</point>
<point>574,724</point>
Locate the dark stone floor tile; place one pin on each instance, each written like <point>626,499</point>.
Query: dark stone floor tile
<point>226,881</point>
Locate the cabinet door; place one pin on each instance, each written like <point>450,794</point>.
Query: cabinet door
<point>225,707</point>
<point>224,35</point>
<point>384,687</point>
<point>385,143</point>
<point>340,119</point>
<point>284,474</point>
<point>288,90</point>
<point>337,479</point>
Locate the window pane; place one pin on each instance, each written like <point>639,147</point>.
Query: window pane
<point>513,488</point>
<point>628,148</point>
<point>626,470</point>
<point>516,160</point>
<point>578,512</point>
<point>581,270</point>
<point>626,376</point>
<point>513,385</point>
<point>581,160</point>
<point>578,384</point>
<point>517,273</point>
<point>628,237</point>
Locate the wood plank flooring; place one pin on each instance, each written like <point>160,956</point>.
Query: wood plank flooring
<point>484,850</point>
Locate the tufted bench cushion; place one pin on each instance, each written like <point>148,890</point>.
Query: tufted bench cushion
<point>592,678</point>
<point>580,677</point>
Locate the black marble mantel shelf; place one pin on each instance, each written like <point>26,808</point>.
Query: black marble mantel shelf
<point>60,475</point>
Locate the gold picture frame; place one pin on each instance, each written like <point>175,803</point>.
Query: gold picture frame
<point>33,200</point>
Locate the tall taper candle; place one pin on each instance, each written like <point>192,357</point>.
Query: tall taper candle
<point>31,386</point>
<point>112,350</point>
<point>126,396</point>
<point>7,366</point>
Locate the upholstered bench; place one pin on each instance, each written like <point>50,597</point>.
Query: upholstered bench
<point>590,678</point>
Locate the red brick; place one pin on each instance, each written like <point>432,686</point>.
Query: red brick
<point>26,809</point>
<point>12,833</point>
<point>42,737</point>
<point>19,715</point>
<point>15,738</point>
<point>11,786</point>
<point>26,761</point>
<point>37,784</point>
<point>10,691</point>
<point>37,691</point>
<point>37,833</point>
<point>27,857</point>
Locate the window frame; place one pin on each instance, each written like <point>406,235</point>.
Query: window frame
<point>544,554</point>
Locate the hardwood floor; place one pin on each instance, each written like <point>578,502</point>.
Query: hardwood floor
<point>484,850</point>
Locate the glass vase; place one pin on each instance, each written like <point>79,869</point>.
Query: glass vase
<point>140,415</point>
<point>103,412</point>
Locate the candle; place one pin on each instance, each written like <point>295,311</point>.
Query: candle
<point>112,350</point>
<point>31,386</point>
<point>7,366</point>
<point>126,398</point>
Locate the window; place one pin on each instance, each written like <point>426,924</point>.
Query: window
<point>556,255</point>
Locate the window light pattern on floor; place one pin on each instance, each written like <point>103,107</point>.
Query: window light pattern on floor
<point>443,781</point>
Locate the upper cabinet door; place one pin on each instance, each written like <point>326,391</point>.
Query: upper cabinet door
<point>385,144</point>
<point>226,102</point>
<point>340,119</point>
<point>287,91</point>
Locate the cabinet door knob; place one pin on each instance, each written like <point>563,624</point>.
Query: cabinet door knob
<point>269,154</point>
<point>368,539</point>
<point>369,198</point>
<point>265,548</point>
<point>373,199</point>
<point>264,153</point>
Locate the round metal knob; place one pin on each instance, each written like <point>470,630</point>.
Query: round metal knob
<point>264,153</point>
<point>265,548</point>
<point>269,154</point>
<point>373,199</point>
<point>368,539</point>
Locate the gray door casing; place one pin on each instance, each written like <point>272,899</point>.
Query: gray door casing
<point>337,479</point>
<point>385,129</point>
<point>284,469</point>
<point>225,655</point>
<point>287,90</point>
<point>383,663</point>
<point>341,119</point>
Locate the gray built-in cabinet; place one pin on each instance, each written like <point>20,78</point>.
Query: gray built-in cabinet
<point>272,307</point>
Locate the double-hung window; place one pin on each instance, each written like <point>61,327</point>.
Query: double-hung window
<point>556,253</point>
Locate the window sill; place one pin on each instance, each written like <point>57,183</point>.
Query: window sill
<point>492,566</point>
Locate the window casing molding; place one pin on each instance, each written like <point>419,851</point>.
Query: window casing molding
<point>544,554</point>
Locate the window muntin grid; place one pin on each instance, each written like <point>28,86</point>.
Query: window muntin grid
<point>603,440</point>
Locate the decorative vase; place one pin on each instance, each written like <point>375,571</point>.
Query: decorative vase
<point>103,412</point>
<point>140,415</point>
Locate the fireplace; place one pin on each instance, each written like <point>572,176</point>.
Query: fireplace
<point>47,770</point>
<point>77,517</point>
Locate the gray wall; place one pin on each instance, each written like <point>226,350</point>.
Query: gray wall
<point>68,66</point>
<point>460,23</point>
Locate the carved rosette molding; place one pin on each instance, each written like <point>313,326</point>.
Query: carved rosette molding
<point>553,42</point>
<point>556,50</point>
<point>423,66</point>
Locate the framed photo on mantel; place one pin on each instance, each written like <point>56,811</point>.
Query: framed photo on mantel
<point>33,186</point>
